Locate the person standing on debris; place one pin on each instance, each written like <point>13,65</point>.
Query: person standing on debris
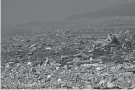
<point>114,43</point>
<point>113,39</point>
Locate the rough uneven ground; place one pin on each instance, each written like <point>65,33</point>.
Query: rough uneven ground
<point>62,59</point>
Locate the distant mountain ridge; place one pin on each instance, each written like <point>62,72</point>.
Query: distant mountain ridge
<point>126,9</point>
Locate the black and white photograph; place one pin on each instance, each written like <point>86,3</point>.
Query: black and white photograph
<point>68,44</point>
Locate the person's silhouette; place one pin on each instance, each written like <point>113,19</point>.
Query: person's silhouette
<point>113,39</point>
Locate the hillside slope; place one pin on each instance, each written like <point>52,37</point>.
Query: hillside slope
<point>126,9</point>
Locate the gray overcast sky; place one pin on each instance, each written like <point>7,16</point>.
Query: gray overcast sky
<point>20,11</point>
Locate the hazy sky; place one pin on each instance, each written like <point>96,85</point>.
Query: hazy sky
<point>20,11</point>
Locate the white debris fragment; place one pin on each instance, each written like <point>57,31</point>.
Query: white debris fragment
<point>110,85</point>
<point>29,63</point>
<point>33,45</point>
<point>99,68</point>
<point>91,58</point>
<point>7,65</point>
<point>59,80</point>
<point>57,68</point>
<point>48,76</point>
<point>48,48</point>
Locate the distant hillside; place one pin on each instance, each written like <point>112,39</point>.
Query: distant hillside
<point>11,30</point>
<point>105,18</point>
<point>126,9</point>
<point>111,23</point>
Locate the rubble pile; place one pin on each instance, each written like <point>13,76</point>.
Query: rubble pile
<point>64,60</point>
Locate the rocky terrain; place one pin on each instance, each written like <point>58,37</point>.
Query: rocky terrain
<point>69,59</point>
